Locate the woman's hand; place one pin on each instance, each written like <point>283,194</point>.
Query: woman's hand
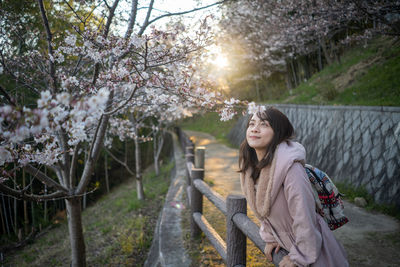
<point>268,250</point>
<point>286,262</point>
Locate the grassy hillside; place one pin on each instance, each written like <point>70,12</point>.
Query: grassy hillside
<point>209,123</point>
<point>367,75</point>
<point>118,228</point>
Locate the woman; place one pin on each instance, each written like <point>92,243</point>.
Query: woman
<point>278,191</point>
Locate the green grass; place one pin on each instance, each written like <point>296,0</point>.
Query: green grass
<point>118,228</point>
<point>209,123</point>
<point>366,76</point>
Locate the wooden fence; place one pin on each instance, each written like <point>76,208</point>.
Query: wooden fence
<point>238,225</point>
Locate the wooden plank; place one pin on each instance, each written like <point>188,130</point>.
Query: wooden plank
<point>215,239</point>
<point>213,196</point>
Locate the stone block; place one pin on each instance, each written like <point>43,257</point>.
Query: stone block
<point>391,153</point>
<point>346,156</point>
<point>389,141</point>
<point>347,135</point>
<point>364,125</point>
<point>357,134</point>
<point>356,160</point>
<point>366,162</point>
<point>356,147</point>
<point>378,167</point>
<point>347,145</point>
<point>374,125</point>
<point>366,138</point>
<point>356,123</point>
<point>386,125</point>
<point>395,116</point>
<point>360,201</point>
<point>391,166</point>
<point>339,164</point>
<point>347,124</point>
<point>355,114</point>
<point>356,172</point>
<point>376,152</point>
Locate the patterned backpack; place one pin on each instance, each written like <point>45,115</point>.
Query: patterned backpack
<point>327,198</point>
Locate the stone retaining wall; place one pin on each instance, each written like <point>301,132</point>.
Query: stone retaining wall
<point>353,144</point>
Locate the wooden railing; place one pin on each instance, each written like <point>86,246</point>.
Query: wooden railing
<point>238,225</point>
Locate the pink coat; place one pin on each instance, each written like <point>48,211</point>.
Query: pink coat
<point>285,205</point>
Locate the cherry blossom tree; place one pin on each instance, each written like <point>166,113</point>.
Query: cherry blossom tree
<point>276,33</point>
<point>89,82</point>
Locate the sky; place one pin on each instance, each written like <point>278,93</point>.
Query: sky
<point>161,7</point>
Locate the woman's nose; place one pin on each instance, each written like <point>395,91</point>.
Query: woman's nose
<point>254,129</point>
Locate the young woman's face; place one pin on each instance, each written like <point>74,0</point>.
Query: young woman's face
<point>259,134</point>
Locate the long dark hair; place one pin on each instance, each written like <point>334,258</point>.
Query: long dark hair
<point>283,130</point>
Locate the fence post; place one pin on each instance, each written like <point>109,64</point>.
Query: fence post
<point>199,157</point>
<point>190,153</point>
<point>235,239</point>
<point>196,201</point>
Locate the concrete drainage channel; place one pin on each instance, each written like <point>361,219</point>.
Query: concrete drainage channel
<point>167,248</point>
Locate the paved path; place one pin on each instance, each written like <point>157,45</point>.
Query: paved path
<point>370,239</point>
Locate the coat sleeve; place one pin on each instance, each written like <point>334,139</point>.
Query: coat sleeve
<point>301,203</point>
<point>266,232</point>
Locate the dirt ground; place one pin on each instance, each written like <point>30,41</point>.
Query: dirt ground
<point>370,238</point>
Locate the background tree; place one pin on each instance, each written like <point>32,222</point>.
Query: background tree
<point>297,38</point>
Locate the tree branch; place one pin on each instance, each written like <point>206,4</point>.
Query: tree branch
<point>49,47</point>
<point>177,14</point>
<point>146,21</point>
<point>74,163</point>
<point>123,104</point>
<point>106,30</point>
<point>7,96</point>
<point>20,194</point>
<point>94,148</point>
<point>44,178</point>
<point>132,19</point>
<point>119,161</point>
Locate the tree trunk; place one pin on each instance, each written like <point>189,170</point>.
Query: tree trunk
<point>155,155</point>
<point>307,69</point>
<point>326,54</point>
<point>139,183</point>
<point>294,73</point>
<point>3,225</point>
<point>335,51</point>
<point>287,78</point>
<point>257,92</point>
<point>319,56</point>
<point>10,215</point>
<point>26,220</point>
<point>45,202</point>
<point>32,204</point>
<point>106,172</point>
<point>74,213</point>
<point>15,206</point>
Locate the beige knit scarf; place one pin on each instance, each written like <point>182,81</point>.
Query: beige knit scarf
<point>259,200</point>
